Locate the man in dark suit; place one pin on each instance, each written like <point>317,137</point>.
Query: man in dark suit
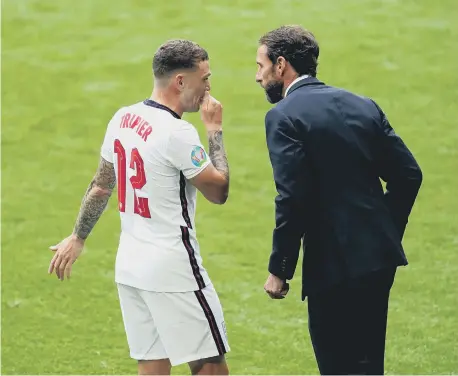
<point>329,148</point>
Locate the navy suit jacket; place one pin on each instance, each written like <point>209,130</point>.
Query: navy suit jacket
<point>329,148</point>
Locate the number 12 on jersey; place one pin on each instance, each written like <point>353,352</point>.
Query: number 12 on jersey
<point>137,181</point>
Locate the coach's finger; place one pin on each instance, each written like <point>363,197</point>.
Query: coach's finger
<point>276,296</point>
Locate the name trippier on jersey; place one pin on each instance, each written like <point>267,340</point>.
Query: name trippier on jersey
<point>136,123</point>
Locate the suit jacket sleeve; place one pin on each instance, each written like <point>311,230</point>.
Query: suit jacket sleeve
<point>287,157</point>
<point>400,171</point>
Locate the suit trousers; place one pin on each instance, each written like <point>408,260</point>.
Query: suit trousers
<point>347,324</point>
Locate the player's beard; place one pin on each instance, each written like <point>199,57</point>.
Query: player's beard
<point>193,103</point>
<point>197,102</point>
<point>195,107</point>
<point>274,91</point>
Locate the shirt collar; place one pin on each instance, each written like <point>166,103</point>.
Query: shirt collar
<point>300,78</point>
<point>151,103</point>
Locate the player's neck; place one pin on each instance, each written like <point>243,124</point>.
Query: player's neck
<point>161,97</point>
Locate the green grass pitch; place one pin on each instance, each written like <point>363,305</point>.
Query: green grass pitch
<point>68,65</point>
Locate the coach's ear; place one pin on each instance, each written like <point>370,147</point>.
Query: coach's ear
<point>281,65</point>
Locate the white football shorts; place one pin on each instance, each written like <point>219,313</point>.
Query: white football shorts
<point>180,326</point>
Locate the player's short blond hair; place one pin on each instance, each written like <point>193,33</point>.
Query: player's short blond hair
<point>177,54</point>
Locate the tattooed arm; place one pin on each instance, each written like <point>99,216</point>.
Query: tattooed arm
<point>217,152</point>
<point>210,177</point>
<point>95,200</point>
<point>92,206</point>
<point>213,181</point>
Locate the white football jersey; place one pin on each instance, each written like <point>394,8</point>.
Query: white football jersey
<point>154,152</point>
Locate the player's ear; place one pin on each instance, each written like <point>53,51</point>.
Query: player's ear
<point>179,81</point>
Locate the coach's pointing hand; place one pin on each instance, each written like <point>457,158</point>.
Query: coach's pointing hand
<point>67,251</point>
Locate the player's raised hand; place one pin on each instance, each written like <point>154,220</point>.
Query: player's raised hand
<point>211,112</point>
<point>67,251</point>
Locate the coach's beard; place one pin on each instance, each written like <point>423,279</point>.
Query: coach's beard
<point>274,91</point>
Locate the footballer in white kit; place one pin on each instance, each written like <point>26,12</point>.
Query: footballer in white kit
<point>154,153</point>
<point>171,312</point>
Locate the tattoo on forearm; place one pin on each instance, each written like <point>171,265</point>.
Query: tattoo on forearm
<point>217,152</point>
<point>95,199</point>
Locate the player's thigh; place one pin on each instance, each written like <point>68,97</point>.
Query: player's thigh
<point>140,327</point>
<point>191,325</point>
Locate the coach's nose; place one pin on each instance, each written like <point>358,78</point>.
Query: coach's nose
<point>258,77</point>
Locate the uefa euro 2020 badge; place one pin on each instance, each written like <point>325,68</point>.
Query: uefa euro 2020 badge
<point>198,156</point>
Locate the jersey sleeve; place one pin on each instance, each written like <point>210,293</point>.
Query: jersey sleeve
<point>107,149</point>
<point>186,152</point>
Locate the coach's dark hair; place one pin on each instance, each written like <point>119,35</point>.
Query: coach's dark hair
<point>297,45</point>
<point>177,54</point>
